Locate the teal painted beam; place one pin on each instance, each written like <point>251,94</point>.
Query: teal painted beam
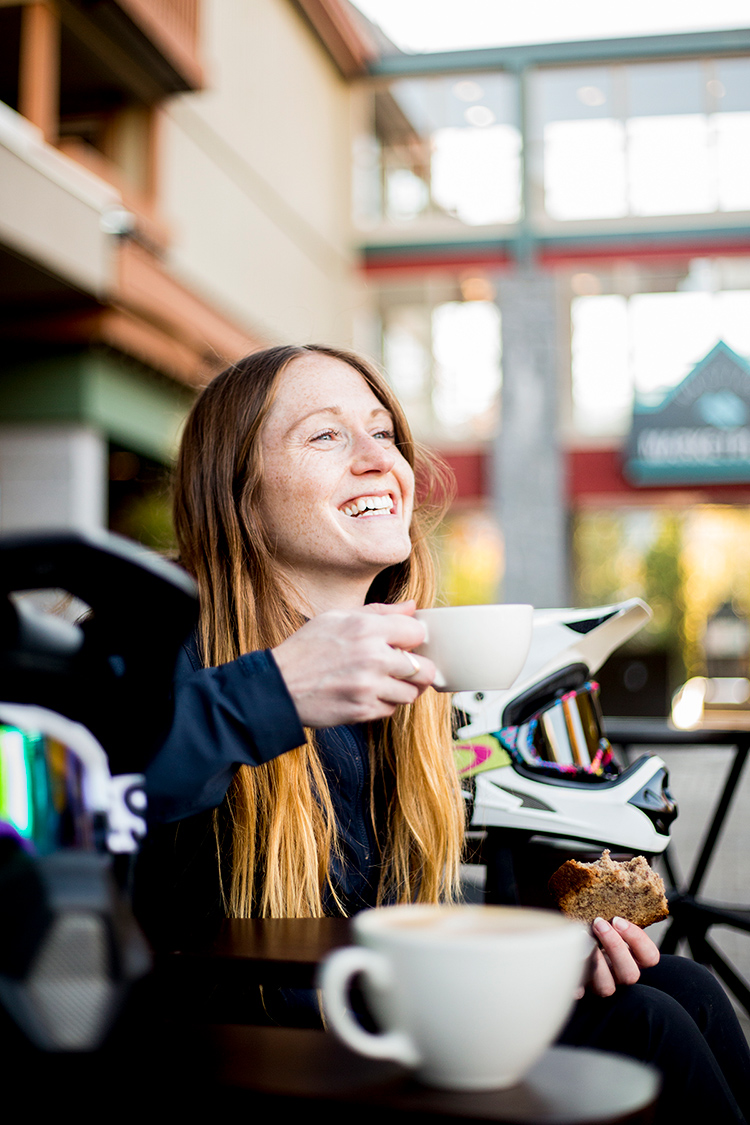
<point>126,403</point>
<point>620,243</point>
<point>690,44</point>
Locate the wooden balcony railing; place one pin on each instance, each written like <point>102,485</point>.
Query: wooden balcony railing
<point>170,26</point>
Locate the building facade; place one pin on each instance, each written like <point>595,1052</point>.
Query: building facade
<point>174,192</point>
<point>531,240</point>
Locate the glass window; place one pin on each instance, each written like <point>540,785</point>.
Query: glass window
<point>665,89</point>
<point>466,348</point>
<point>671,166</point>
<point>443,359</point>
<point>444,148</point>
<point>585,169</point>
<point>602,384</point>
<point>732,144</point>
<point>645,139</point>
<point>646,343</point>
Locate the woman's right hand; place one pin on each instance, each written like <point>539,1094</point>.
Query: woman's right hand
<point>355,666</point>
<point>624,949</point>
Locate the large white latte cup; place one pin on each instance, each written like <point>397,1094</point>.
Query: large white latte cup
<point>469,996</point>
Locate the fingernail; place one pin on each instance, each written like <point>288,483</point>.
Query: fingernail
<point>620,924</point>
<point>600,926</point>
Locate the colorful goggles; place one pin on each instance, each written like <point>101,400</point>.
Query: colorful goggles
<point>53,782</point>
<point>565,737</point>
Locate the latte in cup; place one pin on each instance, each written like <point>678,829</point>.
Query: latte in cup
<point>476,647</point>
<point>469,996</point>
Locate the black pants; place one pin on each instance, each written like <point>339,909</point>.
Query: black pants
<point>679,1018</point>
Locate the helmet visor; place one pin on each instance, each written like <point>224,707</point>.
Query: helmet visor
<point>44,802</point>
<point>566,736</point>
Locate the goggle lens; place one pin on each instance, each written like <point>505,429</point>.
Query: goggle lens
<point>43,799</point>
<point>566,736</point>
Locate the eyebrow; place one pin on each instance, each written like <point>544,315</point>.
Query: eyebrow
<point>337,411</point>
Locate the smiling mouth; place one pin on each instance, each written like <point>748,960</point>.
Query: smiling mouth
<point>369,505</point>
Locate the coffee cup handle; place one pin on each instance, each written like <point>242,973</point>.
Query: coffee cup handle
<point>335,980</point>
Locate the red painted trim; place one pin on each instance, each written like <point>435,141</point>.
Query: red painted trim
<point>395,262</point>
<point>596,471</point>
<point>593,473</point>
<point>471,470</point>
<point>411,259</point>
<point>633,252</point>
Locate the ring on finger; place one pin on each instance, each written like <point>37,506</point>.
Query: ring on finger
<point>415,665</point>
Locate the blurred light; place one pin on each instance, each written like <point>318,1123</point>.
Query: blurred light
<point>480,115</point>
<point>718,699</point>
<point>477,289</point>
<point>407,195</point>
<point>586,284</point>
<point>715,87</point>
<point>591,95</point>
<point>730,691</point>
<point>118,221</point>
<point>687,706</point>
<point>468,91</point>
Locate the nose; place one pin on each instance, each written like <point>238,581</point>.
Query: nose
<point>371,455</point>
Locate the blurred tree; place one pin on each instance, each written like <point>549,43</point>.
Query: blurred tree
<point>664,590</point>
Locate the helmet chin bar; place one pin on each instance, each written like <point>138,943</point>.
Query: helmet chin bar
<point>73,953</point>
<point>635,811</point>
<point>68,960</point>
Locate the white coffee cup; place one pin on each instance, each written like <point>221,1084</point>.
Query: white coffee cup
<point>476,647</point>
<point>470,996</point>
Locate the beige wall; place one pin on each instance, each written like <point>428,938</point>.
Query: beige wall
<point>255,176</point>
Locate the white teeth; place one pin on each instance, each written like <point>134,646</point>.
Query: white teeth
<point>367,503</point>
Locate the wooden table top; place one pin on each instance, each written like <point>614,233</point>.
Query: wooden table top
<point>281,941</point>
<point>281,1066</point>
<point>242,953</point>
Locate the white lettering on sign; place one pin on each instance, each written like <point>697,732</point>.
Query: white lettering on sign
<point>694,445</point>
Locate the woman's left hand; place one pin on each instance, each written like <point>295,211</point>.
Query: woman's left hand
<point>624,949</point>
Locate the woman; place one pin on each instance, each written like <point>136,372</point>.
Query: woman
<point>295,499</point>
<point>309,768</point>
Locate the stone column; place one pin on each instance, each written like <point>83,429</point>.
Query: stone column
<point>529,464</point>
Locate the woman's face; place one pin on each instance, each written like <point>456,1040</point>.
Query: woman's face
<point>337,495</point>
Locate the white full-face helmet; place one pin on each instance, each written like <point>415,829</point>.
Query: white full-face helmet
<point>536,757</point>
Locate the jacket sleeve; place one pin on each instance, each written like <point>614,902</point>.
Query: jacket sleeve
<point>236,714</point>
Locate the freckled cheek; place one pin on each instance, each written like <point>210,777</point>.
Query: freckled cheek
<point>291,507</point>
<point>280,502</point>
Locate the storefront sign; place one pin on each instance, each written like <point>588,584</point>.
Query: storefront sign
<point>700,432</point>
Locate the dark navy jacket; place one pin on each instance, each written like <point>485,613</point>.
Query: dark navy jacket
<point>239,713</point>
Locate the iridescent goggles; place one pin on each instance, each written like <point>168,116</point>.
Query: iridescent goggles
<point>564,737</point>
<point>53,782</point>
